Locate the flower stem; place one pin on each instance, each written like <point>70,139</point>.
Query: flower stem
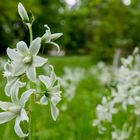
<point>31,33</point>
<point>31,85</point>
<point>30,116</point>
<point>30,120</point>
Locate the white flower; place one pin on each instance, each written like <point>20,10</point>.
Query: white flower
<point>15,109</point>
<point>104,111</point>
<point>70,80</point>
<point>26,59</point>
<point>12,80</point>
<point>123,134</point>
<point>22,12</point>
<point>49,38</point>
<point>52,93</point>
<point>127,61</point>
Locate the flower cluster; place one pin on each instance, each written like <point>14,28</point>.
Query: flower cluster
<point>20,71</point>
<point>69,82</point>
<point>125,95</point>
<point>123,134</point>
<point>104,73</point>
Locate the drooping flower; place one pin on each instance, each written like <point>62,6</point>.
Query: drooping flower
<point>15,109</point>
<point>26,59</point>
<point>52,92</point>
<point>48,37</point>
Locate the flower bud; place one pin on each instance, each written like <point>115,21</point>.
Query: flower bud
<point>22,12</point>
<point>56,36</point>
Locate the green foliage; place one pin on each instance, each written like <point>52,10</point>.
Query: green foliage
<point>115,25</point>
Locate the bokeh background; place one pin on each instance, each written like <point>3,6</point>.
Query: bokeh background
<point>93,31</point>
<point>92,27</point>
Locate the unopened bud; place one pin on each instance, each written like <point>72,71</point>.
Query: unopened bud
<point>22,12</point>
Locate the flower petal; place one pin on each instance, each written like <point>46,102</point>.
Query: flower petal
<point>18,129</point>
<point>25,96</point>
<point>13,54</point>
<point>45,80</point>
<point>56,45</point>
<point>23,115</point>
<point>55,99</point>
<point>15,90</point>
<point>6,116</point>
<point>54,111</point>
<point>20,68</point>
<point>22,48</point>
<point>39,61</point>
<point>56,36</point>
<point>52,75</point>
<point>55,89</point>
<point>5,105</point>
<point>31,73</point>
<point>7,89</point>
<point>35,46</point>
<point>43,100</point>
<point>8,67</point>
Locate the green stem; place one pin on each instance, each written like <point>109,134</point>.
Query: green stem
<point>30,120</point>
<point>30,116</point>
<point>31,33</point>
<point>30,106</point>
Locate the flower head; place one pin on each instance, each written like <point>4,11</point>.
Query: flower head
<point>49,38</point>
<point>26,59</point>
<point>52,92</point>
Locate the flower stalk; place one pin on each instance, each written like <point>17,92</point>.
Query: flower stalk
<point>23,61</point>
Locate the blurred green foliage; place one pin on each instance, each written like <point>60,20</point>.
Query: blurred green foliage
<point>98,27</point>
